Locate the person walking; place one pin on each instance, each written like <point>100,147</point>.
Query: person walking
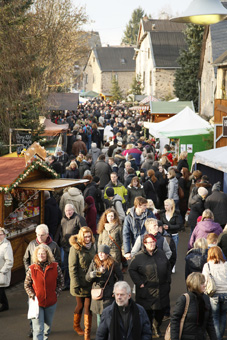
<point>81,254</point>
<point>123,319</point>
<point>44,280</point>
<point>6,264</point>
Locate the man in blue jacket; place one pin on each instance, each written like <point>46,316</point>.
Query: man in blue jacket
<point>124,319</point>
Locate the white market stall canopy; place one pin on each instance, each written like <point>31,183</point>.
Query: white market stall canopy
<point>184,123</point>
<point>214,158</point>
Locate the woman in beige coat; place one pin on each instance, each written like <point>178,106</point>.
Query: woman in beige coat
<point>6,263</point>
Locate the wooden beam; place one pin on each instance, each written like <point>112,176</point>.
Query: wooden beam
<point>221,108</point>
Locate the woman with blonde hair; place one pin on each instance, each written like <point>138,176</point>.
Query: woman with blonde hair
<point>45,281</point>
<point>81,254</point>
<point>182,161</point>
<point>196,257</point>
<point>72,171</point>
<point>217,267</point>
<point>164,161</point>
<point>198,320</point>
<point>172,220</point>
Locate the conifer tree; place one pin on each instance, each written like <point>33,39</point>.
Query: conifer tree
<point>132,28</point>
<point>116,93</point>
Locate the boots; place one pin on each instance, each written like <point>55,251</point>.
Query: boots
<point>87,326</point>
<point>76,324</point>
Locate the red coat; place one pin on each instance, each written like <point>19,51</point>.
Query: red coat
<point>45,283</point>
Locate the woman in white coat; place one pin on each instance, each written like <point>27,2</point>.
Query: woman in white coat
<point>6,263</point>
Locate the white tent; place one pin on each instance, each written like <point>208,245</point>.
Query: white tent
<point>184,123</point>
<point>214,158</point>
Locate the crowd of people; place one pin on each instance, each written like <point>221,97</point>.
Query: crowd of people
<point>127,216</point>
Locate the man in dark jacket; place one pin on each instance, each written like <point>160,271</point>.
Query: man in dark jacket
<point>217,203</point>
<point>102,170</point>
<point>85,165</point>
<point>70,225</point>
<point>124,319</point>
<point>52,214</point>
<point>55,165</point>
<point>78,146</point>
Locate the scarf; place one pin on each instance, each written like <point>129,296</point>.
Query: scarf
<point>115,331</point>
<point>48,240</point>
<point>110,226</point>
<point>88,245</point>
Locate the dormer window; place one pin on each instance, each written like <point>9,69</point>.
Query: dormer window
<point>123,61</point>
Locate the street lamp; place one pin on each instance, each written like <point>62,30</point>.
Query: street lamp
<point>203,12</point>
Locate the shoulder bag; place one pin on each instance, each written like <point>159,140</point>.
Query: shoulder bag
<point>180,192</point>
<point>123,259</point>
<point>168,329</point>
<point>97,293</point>
<point>210,284</point>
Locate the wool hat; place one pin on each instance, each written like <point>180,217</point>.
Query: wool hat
<point>216,186</point>
<point>96,179</point>
<point>103,248</point>
<point>110,192</point>
<point>202,191</point>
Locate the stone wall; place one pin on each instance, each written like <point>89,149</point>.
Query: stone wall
<point>164,83</point>
<point>124,81</point>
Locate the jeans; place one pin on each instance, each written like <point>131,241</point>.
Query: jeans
<point>176,240</point>
<point>42,325</point>
<point>219,308</point>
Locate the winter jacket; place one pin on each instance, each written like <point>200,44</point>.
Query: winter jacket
<point>128,179</point>
<point>173,188</point>
<point>191,329</point>
<point>84,165</point>
<point>197,208</point>
<point>152,191</point>
<point>118,189</point>
<point>52,215</point>
<point>79,261</point>
<point>147,164</point>
<point>73,196</point>
<point>6,261</point>
<point>70,226</point>
<point>154,271</point>
<point>136,153</point>
<point>77,147</point>
<point>161,244</point>
<point>96,138</point>
<point>97,306</point>
<point>116,203</point>
<point>103,171</point>
<point>222,242</point>
<point>175,223</point>
<point>195,260</point>
<point>183,163</point>
<point>133,193</point>
<point>217,203</point>
<point>133,227</point>
<point>95,152</point>
<point>91,213</point>
<point>70,173</point>
<point>103,332</point>
<point>194,191</point>
<point>202,229</point>
<point>27,259</point>
<point>219,273</point>
<point>45,283</point>
<point>116,234</point>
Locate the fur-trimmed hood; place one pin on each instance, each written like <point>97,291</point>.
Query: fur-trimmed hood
<point>74,242</point>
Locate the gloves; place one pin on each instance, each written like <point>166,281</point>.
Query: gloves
<point>93,274</point>
<point>77,290</point>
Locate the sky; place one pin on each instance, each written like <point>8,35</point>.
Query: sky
<point>110,17</point>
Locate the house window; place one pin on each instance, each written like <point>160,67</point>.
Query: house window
<point>150,78</point>
<point>93,59</point>
<point>93,78</point>
<point>144,78</point>
<point>86,79</point>
<point>149,53</point>
<point>123,61</point>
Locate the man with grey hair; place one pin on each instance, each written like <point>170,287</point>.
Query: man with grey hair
<point>42,236</point>
<point>78,146</point>
<point>124,319</point>
<point>70,225</point>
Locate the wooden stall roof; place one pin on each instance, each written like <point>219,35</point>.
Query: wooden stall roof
<point>51,184</point>
<point>10,169</point>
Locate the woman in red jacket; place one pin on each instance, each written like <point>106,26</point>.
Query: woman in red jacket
<point>44,280</point>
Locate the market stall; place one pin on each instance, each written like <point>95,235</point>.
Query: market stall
<point>22,186</point>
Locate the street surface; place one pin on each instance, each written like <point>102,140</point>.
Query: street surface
<point>14,324</point>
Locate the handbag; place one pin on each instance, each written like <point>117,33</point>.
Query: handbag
<point>180,192</point>
<point>210,284</point>
<point>168,329</point>
<point>97,293</point>
<point>123,259</point>
<point>3,279</point>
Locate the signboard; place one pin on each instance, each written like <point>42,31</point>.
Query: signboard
<point>24,140</point>
<point>224,127</point>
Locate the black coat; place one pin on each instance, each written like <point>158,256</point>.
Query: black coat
<point>84,165</point>
<point>183,163</point>
<point>52,215</point>
<point>175,223</point>
<point>194,261</point>
<point>73,174</point>
<point>197,208</point>
<point>154,271</point>
<point>96,138</point>
<point>103,171</point>
<point>152,191</point>
<point>217,203</point>
<point>192,330</point>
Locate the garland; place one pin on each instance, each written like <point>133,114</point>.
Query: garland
<point>32,165</point>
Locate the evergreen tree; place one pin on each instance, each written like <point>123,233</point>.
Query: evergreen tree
<point>186,78</point>
<point>136,86</point>
<point>132,28</point>
<point>116,93</point>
